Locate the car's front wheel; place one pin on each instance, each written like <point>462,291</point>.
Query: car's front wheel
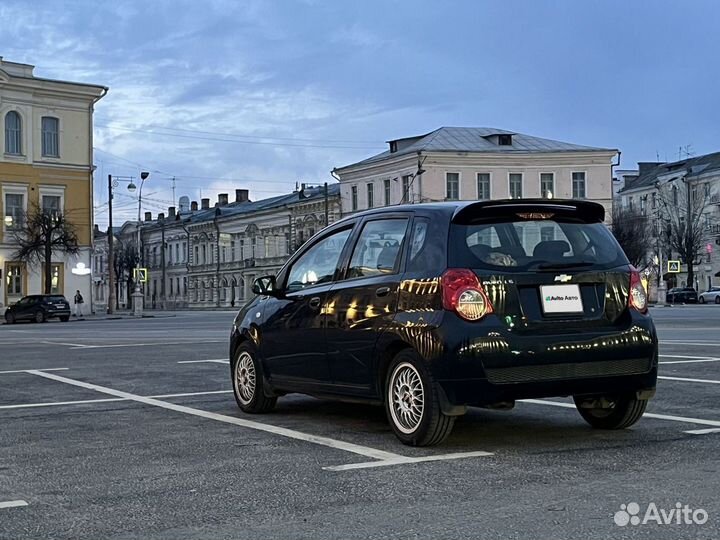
<point>702,299</point>
<point>717,299</point>
<point>611,412</point>
<point>247,380</point>
<point>412,403</point>
<point>10,318</point>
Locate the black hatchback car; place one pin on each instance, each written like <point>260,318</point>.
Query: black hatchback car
<point>38,308</point>
<point>682,295</point>
<point>431,308</point>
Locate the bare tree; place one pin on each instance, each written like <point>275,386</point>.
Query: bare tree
<point>631,229</point>
<point>124,261</point>
<point>45,232</point>
<point>685,218</point>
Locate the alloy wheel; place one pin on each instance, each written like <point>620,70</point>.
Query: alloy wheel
<point>406,396</point>
<point>245,378</point>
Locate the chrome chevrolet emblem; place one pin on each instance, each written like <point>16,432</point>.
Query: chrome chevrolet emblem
<point>562,278</point>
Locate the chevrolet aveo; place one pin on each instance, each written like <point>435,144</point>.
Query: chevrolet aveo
<point>428,309</point>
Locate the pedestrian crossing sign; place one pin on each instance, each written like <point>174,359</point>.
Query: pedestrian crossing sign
<point>140,274</point>
<point>674,267</point>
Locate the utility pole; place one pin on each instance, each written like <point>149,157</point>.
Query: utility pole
<point>327,203</point>
<point>111,262</point>
<point>688,236</point>
<point>162,261</point>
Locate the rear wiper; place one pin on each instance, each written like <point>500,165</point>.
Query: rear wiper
<point>559,266</point>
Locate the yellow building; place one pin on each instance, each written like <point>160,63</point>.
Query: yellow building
<point>46,159</point>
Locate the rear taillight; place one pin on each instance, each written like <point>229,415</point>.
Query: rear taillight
<point>638,297</point>
<point>463,294</point>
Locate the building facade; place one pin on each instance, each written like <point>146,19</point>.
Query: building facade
<point>208,256</point>
<point>476,164</point>
<point>46,162</point>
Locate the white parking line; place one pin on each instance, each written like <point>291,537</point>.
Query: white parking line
<point>38,369</point>
<point>107,400</point>
<point>157,343</point>
<point>693,359</point>
<point>72,345</point>
<point>673,418</point>
<point>684,379</point>
<point>13,504</point>
<point>215,360</point>
<point>703,431</point>
<point>406,460</point>
<point>384,458</point>
<point>695,343</point>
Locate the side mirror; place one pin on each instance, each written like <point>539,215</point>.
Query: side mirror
<point>265,285</point>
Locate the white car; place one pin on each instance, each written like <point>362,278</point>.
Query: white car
<point>713,295</point>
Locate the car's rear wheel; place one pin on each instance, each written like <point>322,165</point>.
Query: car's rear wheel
<point>412,404</point>
<point>247,380</point>
<point>611,412</point>
<point>40,316</point>
<point>10,318</point>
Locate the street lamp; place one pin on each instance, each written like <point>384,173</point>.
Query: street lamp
<point>137,294</point>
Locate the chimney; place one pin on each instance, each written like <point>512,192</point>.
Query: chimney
<point>241,195</point>
<point>96,228</point>
<point>161,216</point>
<point>222,199</point>
<point>171,212</point>
<point>193,206</point>
<point>205,204</point>
<point>148,216</point>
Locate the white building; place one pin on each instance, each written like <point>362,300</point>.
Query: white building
<point>453,163</point>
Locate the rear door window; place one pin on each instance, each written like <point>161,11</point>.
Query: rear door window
<point>534,245</point>
<point>377,250</point>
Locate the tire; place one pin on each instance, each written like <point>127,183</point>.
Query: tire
<point>624,412</point>
<point>416,422</point>
<point>64,318</point>
<point>40,316</point>
<point>248,383</point>
<point>701,300</point>
<point>717,299</point>
<point>10,318</point>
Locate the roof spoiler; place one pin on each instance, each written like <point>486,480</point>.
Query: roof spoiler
<point>581,210</point>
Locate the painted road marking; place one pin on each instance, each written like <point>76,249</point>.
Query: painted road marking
<point>694,359</point>
<point>149,344</point>
<point>107,400</point>
<point>685,419</point>
<point>13,504</point>
<point>384,458</point>
<point>695,343</point>
<point>406,460</point>
<point>39,369</point>
<point>684,379</point>
<point>215,360</point>
<point>703,431</point>
<point>72,345</point>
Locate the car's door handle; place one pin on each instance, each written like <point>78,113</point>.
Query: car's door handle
<point>315,302</point>
<point>382,291</point>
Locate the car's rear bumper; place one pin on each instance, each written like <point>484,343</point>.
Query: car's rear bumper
<point>58,313</point>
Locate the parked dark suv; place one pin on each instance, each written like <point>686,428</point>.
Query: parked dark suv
<point>431,308</point>
<point>682,295</point>
<point>38,308</point>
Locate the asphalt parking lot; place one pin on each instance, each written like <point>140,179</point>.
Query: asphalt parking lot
<point>128,429</point>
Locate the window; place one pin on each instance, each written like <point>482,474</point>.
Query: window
<point>675,194</point>
<point>516,181</point>
<point>14,210</point>
<point>483,186</point>
<point>547,185</point>
<point>353,198</point>
<point>378,249</point>
<point>171,287</point>
<point>630,203</point>
<point>51,204</point>
<point>49,126</point>
<point>14,280</point>
<point>578,185</point>
<point>13,133</point>
<point>56,279</point>
<point>406,187</point>
<point>177,253</point>
<point>232,250</point>
<point>386,187</point>
<point>505,140</point>
<point>654,200</point>
<point>370,195</point>
<point>417,239</point>
<point>318,263</point>
<point>643,200</point>
<point>197,256</point>
<point>204,254</point>
<point>452,186</point>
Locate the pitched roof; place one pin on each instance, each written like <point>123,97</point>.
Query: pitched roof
<point>687,167</point>
<point>479,139</point>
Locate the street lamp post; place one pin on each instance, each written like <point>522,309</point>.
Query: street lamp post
<point>137,295</point>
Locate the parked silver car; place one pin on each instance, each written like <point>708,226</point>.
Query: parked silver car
<point>712,295</point>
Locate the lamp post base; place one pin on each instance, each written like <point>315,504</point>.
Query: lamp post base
<point>137,299</point>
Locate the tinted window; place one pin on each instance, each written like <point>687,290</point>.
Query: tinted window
<point>378,249</point>
<point>317,264</point>
<point>534,244</point>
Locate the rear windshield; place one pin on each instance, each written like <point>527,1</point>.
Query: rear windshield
<point>56,299</point>
<point>534,245</point>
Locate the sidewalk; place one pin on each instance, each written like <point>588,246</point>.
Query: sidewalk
<point>121,315</point>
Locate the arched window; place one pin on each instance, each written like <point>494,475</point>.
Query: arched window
<point>13,133</point>
<point>50,128</point>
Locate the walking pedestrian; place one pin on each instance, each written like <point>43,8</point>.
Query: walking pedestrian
<point>78,304</point>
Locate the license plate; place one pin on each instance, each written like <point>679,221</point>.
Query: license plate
<point>561,299</point>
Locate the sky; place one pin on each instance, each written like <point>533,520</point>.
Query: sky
<point>261,94</point>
